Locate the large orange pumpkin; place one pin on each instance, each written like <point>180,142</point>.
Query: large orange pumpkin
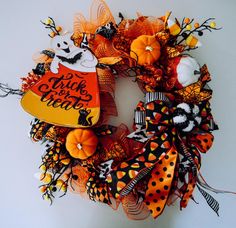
<point>145,49</point>
<point>81,143</point>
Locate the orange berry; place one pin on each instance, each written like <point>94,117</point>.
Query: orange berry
<point>66,176</point>
<point>186,20</point>
<point>196,25</point>
<point>43,189</point>
<point>52,34</point>
<point>55,157</point>
<point>51,165</point>
<point>59,28</point>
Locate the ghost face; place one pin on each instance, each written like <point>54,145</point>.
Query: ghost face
<point>71,56</point>
<point>63,45</point>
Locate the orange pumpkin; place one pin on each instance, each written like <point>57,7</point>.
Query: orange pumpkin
<point>81,143</point>
<point>145,49</point>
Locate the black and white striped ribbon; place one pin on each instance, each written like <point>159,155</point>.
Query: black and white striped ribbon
<point>152,96</point>
<point>213,125</point>
<point>139,117</point>
<point>129,187</point>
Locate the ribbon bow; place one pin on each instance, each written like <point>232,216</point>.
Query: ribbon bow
<point>170,152</point>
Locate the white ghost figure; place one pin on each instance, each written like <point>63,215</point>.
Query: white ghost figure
<point>73,57</point>
<point>188,71</point>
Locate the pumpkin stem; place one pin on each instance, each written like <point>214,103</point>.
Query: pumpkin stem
<point>79,146</point>
<point>149,48</point>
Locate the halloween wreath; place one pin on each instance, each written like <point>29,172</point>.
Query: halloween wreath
<point>71,91</point>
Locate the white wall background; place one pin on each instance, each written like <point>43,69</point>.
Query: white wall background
<point>22,35</point>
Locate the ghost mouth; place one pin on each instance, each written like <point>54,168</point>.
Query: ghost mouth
<point>72,60</point>
<point>67,50</point>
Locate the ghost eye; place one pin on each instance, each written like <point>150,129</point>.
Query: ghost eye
<point>65,43</point>
<point>58,45</point>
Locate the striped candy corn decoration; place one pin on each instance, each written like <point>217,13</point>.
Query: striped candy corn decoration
<point>173,27</point>
<point>193,41</point>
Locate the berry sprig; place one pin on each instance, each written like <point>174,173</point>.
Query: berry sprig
<point>187,28</point>
<point>50,24</point>
<point>52,184</point>
<point>54,166</point>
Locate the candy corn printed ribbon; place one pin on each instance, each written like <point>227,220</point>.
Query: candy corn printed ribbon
<point>161,152</point>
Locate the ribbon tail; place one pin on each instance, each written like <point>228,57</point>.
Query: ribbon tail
<point>189,189</point>
<point>160,183</point>
<point>211,201</point>
<point>203,184</point>
<point>125,176</point>
<point>187,154</point>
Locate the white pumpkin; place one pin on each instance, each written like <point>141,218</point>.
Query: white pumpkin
<point>185,69</point>
<point>188,71</point>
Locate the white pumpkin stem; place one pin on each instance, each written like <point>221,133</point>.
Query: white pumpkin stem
<point>79,146</point>
<point>149,48</point>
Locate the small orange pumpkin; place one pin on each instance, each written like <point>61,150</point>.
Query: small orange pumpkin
<point>81,143</point>
<point>146,49</point>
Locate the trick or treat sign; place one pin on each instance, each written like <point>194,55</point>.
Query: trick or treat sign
<point>68,94</point>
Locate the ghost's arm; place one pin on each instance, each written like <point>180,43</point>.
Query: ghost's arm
<point>54,65</point>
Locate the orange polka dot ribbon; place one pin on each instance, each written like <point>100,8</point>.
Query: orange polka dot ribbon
<point>165,147</point>
<point>159,185</point>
